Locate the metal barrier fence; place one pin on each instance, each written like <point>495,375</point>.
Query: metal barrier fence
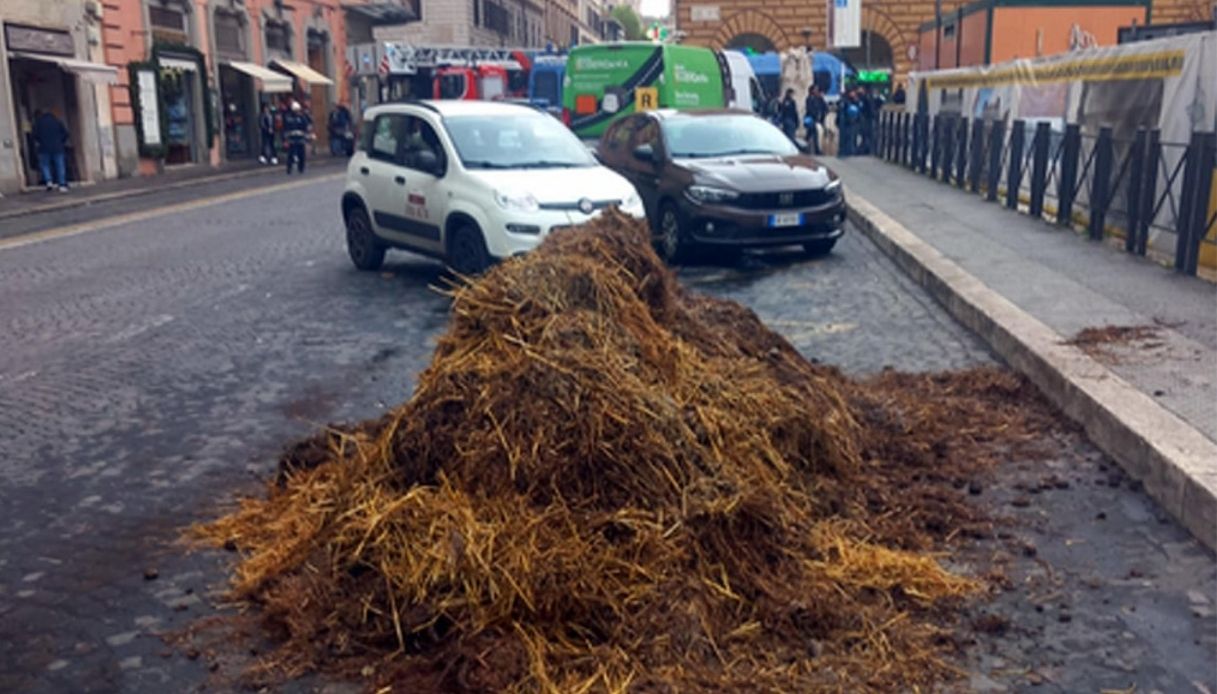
<point>1147,191</point>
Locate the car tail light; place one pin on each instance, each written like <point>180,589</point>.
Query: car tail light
<point>566,117</point>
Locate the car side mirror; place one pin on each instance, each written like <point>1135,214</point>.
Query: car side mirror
<point>645,153</point>
<point>425,160</point>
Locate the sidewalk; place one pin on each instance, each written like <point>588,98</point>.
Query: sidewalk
<point>1062,281</point>
<point>39,201</point>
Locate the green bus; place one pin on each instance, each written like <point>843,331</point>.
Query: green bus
<point>606,81</point>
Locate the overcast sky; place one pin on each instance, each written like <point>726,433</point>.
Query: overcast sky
<point>655,8</point>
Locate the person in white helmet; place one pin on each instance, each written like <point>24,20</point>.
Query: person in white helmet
<point>297,130</point>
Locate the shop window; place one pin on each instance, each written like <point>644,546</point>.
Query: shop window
<point>477,13</point>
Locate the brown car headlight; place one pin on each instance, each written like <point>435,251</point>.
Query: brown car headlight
<point>710,194</point>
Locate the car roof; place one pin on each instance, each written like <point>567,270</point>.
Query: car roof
<point>454,107</point>
<point>670,113</point>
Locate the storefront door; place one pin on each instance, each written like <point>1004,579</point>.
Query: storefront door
<point>40,86</point>
<point>183,112</point>
<point>239,112</point>
<point>319,94</point>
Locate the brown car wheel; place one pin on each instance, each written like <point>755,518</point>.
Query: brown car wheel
<point>674,244</point>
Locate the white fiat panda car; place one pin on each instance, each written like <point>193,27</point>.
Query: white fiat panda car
<point>469,182</point>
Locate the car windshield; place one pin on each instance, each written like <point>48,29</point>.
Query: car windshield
<point>725,135</point>
<point>528,140</point>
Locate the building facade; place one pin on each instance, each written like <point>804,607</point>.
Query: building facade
<point>204,67</point>
<point>496,23</point>
<point>562,23</point>
<point>891,36</point>
<point>148,84</point>
<point>50,60</point>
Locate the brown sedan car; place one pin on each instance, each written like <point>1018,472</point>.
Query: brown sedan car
<point>724,179</point>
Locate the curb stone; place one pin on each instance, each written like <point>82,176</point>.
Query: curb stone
<point>1176,463</point>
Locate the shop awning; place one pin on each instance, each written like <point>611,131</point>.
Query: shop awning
<point>99,73</point>
<point>306,74</point>
<point>272,82</point>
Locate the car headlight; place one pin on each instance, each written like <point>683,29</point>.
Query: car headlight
<point>833,185</point>
<point>516,201</point>
<point>710,194</point>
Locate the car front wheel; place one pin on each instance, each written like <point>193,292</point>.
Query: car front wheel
<point>467,254</point>
<point>366,251</point>
<point>674,246</point>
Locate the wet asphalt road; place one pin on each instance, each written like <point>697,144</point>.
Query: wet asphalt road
<point>150,372</point>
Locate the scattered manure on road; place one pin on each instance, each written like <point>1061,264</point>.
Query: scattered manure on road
<point>606,483</point>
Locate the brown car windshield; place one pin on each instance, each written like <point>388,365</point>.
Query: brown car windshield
<point>723,136</point>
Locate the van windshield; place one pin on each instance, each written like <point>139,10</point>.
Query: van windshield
<point>545,86</point>
<point>529,140</point>
<point>722,136</point>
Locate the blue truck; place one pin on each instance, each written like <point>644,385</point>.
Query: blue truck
<point>545,82</point>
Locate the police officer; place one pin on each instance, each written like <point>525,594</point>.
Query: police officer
<point>849,116</point>
<point>297,130</point>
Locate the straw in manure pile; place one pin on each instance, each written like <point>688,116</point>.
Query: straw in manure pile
<point>602,483</point>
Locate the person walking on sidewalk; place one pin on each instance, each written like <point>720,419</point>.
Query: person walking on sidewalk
<point>297,130</point>
<point>51,137</point>
<point>266,126</point>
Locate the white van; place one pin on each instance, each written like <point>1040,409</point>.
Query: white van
<point>746,93</point>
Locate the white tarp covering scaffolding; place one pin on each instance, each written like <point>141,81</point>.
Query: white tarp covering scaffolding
<point>1168,84</point>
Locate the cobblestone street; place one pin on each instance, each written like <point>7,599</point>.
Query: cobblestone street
<point>151,372</point>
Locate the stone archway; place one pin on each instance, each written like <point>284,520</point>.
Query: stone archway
<point>874,53</point>
<point>758,43</point>
<point>751,22</point>
<point>881,24</point>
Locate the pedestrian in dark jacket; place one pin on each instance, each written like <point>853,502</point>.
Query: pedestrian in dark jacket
<point>864,123</point>
<point>342,141</point>
<point>849,118</point>
<point>297,130</point>
<point>266,127</point>
<point>51,139</point>
<point>816,110</point>
<point>789,115</point>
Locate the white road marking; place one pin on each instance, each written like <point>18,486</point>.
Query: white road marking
<point>140,328</point>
